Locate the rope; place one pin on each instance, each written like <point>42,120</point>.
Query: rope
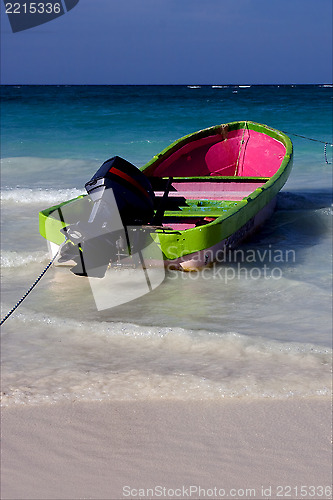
<point>325,148</point>
<point>314,140</point>
<point>308,138</point>
<point>30,289</point>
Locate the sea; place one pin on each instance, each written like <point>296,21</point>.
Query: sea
<point>258,325</point>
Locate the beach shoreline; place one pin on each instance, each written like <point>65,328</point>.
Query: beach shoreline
<point>231,448</point>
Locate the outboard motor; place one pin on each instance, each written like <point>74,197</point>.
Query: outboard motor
<point>121,196</point>
<point>131,188</point>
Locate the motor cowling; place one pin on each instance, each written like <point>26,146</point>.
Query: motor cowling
<point>131,188</point>
<point>121,196</point>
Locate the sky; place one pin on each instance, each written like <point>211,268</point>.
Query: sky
<point>152,42</point>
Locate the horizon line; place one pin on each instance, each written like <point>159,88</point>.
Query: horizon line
<point>329,84</point>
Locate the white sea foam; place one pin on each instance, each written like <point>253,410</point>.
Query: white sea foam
<point>10,259</point>
<point>34,196</point>
<point>89,361</point>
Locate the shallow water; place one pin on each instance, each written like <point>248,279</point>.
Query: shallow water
<point>257,325</point>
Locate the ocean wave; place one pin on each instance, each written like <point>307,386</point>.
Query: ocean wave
<point>94,361</point>
<point>34,196</point>
<point>10,259</point>
<point>31,171</point>
<point>37,163</point>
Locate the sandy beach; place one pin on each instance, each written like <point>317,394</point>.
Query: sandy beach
<point>113,450</point>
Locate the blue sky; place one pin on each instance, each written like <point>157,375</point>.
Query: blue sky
<point>174,42</point>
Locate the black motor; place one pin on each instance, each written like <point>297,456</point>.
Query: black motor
<point>121,196</point>
<point>131,188</point>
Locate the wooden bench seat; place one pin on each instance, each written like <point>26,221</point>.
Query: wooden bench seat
<point>197,208</point>
<point>160,182</point>
<point>211,187</point>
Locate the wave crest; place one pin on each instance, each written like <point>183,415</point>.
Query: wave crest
<point>121,361</point>
<point>33,196</point>
<point>11,259</point>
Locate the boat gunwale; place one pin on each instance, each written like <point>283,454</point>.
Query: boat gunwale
<point>216,130</point>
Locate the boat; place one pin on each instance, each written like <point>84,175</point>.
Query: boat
<point>199,197</point>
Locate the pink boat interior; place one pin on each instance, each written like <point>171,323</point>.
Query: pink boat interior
<point>233,166</point>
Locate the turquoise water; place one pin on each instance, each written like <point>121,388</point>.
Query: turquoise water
<point>252,327</point>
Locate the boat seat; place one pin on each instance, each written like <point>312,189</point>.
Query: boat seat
<point>211,187</point>
<point>214,178</point>
<point>200,208</point>
<point>159,183</point>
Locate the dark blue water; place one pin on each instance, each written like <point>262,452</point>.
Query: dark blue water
<point>99,121</point>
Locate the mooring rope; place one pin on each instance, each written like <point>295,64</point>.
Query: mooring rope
<point>315,140</point>
<point>30,289</point>
<point>325,148</point>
